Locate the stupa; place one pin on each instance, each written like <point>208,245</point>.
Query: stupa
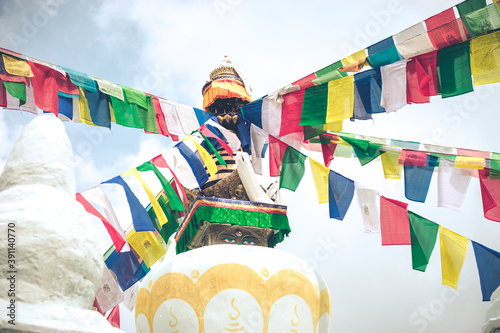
<point>226,276</point>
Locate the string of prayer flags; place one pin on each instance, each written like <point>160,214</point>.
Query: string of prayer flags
<point>394,222</point>
<point>393,86</point>
<point>485,58</point>
<point>369,211</point>
<point>365,150</point>
<point>418,179</point>
<point>453,70</point>
<point>146,245</point>
<point>483,20</point>
<point>369,85</point>
<point>488,266</point>
<point>320,175</point>
<point>194,163</point>
<point>109,293</point>
<point>490,194</point>
<point>453,250</point>
<point>16,66</point>
<point>116,237</point>
<point>292,169</point>
<point>140,218</point>
<point>128,270</point>
<point>277,149</point>
<point>452,184</point>
<point>340,194</point>
<point>423,238</point>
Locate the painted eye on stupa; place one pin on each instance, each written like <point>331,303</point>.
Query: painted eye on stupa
<point>249,242</point>
<point>229,240</point>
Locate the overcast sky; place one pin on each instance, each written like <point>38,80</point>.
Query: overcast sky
<point>168,48</point>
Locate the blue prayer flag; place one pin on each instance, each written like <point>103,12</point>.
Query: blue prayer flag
<point>340,194</point>
<point>488,266</point>
<point>126,267</point>
<point>418,179</point>
<point>194,162</point>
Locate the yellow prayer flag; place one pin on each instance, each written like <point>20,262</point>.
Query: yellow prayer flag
<point>392,168</point>
<point>83,105</point>
<point>16,66</point>
<point>334,127</point>
<point>320,175</point>
<point>354,57</point>
<point>340,99</point>
<point>205,156</point>
<point>485,58</point>
<point>146,245</point>
<point>453,251</point>
<point>469,162</point>
<point>160,214</point>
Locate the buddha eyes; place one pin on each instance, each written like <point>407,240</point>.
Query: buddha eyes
<point>229,240</point>
<point>248,242</point>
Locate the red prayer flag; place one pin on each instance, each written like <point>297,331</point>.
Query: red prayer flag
<point>290,112</point>
<point>428,63</point>
<point>305,82</point>
<point>14,78</point>
<point>97,307</point>
<point>44,87</point>
<point>416,77</point>
<point>450,33</point>
<point>161,124</point>
<point>440,19</point>
<point>394,222</point>
<point>412,157</point>
<point>277,150</point>
<point>65,85</point>
<point>328,150</point>
<point>114,317</point>
<point>490,193</point>
<point>117,239</point>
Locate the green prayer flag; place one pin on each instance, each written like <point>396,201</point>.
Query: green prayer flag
<point>173,198</point>
<point>17,90</point>
<point>126,114</point>
<point>423,234</point>
<point>453,70</point>
<point>136,97</point>
<point>483,20</point>
<point>148,116</point>
<point>168,228</point>
<point>364,150</point>
<point>292,169</point>
<point>314,105</point>
<point>313,131</point>
<point>495,165</point>
<point>329,73</point>
<point>469,6</point>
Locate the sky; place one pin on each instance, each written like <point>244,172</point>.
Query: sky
<point>168,48</point>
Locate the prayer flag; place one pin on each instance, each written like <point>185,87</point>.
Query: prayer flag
<point>208,133</point>
<point>98,104</point>
<point>488,266</point>
<point>83,106</point>
<point>490,194</point>
<point>423,238</point>
<point>114,317</point>
<point>161,124</point>
<point>82,80</point>
<point>253,112</point>
<point>126,114</point>
<point>438,20</point>
<point>64,85</point>
<point>243,129</point>
<point>369,210</point>
<point>364,150</point>
<point>117,239</point>
<point>329,73</point>
<point>380,46</point>
<point>290,112</point>
<point>469,6</point>
<point>109,293</point>
<point>415,77</point>
<point>409,33</point>
<point>469,162</point>
<point>171,117</point>
<point>340,99</point>
<point>412,157</point>
<point>259,138</point>
<point>17,90</point>
<point>354,58</point>
<point>271,116</point>
<point>140,218</point>
<point>393,86</point>
<point>485,58</point>
<point>109,88</point>
<point>385,57</point>
<point>232,139</point>
<point>292,169</point>
<point>187,118</point>
<point>450,33</point>
<point>136,97</point>
<point>453,70</point>
<point>453,251</point>
<point>16,66</point>
<point>160,162</point>
<point>205,156</point>
<point>201,115</point>
<point>394,222</point>
<point>391,166</point>
<point>320,175</point>
<point>340,194</point>
<point>328,150</point>
<point>314,107</point>
<point>277,150</point>
<point>194,163</point>
<point>452,184</point>
<point>483,20</point>
<point>428,81</point>
<point>418,179</point>
<point>44,87</point>
<point>369,85</point>
<point>359,111</point>
<point>148,116</point>
<point>146,245</point>
<point>415,46</point>
<point>126,267</point>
